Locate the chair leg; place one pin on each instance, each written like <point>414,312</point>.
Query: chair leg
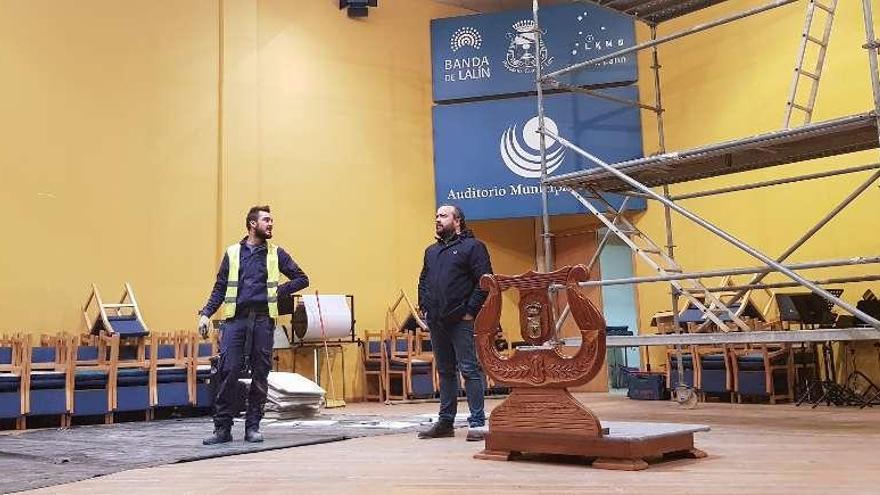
<point>21,423</point>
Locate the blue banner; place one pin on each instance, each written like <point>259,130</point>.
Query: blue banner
<point>494,54</point>
<point>487,154</point>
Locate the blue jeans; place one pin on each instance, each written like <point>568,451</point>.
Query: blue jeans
<point>454,351</point>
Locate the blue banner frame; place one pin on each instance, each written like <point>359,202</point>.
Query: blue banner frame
<point>487,153</point>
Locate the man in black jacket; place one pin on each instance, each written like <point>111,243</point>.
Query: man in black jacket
<point>450,298</point>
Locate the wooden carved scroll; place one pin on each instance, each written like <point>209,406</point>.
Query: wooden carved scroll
<point>540,367</point>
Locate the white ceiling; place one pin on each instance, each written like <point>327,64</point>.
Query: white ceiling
<point>496,5</point>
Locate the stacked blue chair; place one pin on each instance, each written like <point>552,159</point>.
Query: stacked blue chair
<point>763,371</point>
<point>418,372</point>
<point>714,372</point>
<point>46,380</point>
<point>91,377</point>
<point>124,322</point>
<point>374,365</point>
<point>408,353</point>
<point>171,370</point>
<point>200,381</point>
<point>12,370</point>
<point>132,377</point>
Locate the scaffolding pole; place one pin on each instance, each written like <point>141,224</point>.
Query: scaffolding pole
<point>732,271</point>
<point>545,213</point>
<point>641,190</point>
<point>810,233</point>
<point>720,233</point>
<point>776,182</point>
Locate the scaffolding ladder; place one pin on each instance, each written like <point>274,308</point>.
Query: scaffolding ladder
<point>809,44</point>
<point>691,289</point>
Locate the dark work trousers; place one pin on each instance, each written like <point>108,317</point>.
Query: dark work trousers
<point>234,360</point>
<point>455,351</point>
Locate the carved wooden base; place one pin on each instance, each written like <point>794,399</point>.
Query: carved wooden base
<point>551,421</point>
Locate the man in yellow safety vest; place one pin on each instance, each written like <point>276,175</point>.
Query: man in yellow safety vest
<point>247,285</point>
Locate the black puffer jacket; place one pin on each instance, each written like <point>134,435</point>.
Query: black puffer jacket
<point>449,286</point>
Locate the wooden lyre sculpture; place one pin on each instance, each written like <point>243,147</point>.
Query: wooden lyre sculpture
<point>540,415</point>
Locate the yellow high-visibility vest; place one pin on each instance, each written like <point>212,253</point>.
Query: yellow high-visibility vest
<point>233,252</point>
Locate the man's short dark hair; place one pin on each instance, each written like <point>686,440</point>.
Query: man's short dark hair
<point>459,214</point>
<point>254,215</point>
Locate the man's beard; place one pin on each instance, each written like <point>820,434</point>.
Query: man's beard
<point>264,234</point>
<point>446,232</point>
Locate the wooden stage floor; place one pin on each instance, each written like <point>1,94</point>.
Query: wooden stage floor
<point>753,449</point>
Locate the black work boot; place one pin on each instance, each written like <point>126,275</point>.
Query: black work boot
<point>440,429</point>
<point>220,435</point>
<point>253,435</point>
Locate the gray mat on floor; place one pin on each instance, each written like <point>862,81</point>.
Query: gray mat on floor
<point>35,459</point>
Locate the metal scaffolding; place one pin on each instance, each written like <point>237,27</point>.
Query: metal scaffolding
<point>789,145</point>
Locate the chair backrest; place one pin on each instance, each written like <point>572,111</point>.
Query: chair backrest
<point>92,355</point>
<point>171,349</point>
<point>51,357</point>
<point>401,346</point>
<point>374,346</point>
<point>10,354</point>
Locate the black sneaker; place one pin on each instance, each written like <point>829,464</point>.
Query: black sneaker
<point>253,436</point>
<point>440,429</point>
<point>219,436</point>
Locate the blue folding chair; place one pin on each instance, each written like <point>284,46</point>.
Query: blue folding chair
<point>713,367</point>
<point>91,376</point>
<point>200,370</point>
<point>12,396</point>
<point>132,377</point>
<point>46,380</point>
<point>763,371</point>
<point>373,354</point>
<point>123,318</point>
<point>417,372</point>
<point>170,369</point>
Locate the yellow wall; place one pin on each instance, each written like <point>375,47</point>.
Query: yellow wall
<point>137,134</point>
<point>732,82</point>
<point>108,162</point>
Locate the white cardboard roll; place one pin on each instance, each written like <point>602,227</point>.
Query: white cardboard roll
<point>336,315</point>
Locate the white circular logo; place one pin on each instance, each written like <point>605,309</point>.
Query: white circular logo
<point>527,162</point>
<point>465,36</point>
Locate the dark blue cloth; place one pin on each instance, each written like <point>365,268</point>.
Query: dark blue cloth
<point>453,346</point>
<point>252,277</point>
<point>233,334</point>
<point>449,285</point>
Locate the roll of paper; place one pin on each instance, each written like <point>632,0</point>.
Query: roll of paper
<point>335,312</point>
